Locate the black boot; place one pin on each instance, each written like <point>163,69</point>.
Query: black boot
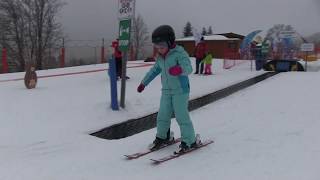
<point>183,147</point>
<point>158,142</point>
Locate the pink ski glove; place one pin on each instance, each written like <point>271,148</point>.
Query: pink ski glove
<point>175,70</point>
<point>140,88</point>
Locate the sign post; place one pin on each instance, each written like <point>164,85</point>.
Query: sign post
<point>126,11</point>
<point>307,47</point>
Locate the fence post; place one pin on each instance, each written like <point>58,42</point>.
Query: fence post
<point>113,84</point>
<point>62,55</point>
<point>4,61</point>
<point>102,52</point>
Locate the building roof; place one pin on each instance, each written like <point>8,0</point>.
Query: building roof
<point>232,35</point>
<point>208,38</point>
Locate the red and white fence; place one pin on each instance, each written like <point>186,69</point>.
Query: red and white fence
<point>232,59</point>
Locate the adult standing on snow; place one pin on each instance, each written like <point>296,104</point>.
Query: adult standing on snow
<point>174,65</point>
<point>117,54</point>
<point>118,57</point>
<point>200,53</point>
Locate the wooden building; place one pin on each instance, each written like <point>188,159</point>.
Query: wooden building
<point>218,44</point>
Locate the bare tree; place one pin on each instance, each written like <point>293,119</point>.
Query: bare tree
<point>30,28</point>
<point>12,29</point>
<point>140,36</point>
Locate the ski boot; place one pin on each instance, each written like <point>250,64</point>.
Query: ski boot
<point>183,147</point>
<point>158,142</point>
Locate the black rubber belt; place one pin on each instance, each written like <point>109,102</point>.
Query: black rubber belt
<point>134,126</point>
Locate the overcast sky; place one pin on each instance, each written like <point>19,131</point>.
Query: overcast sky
<point>95,19</point>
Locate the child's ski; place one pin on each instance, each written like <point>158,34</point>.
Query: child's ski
<point>176,155</point>
<point>143,153</point>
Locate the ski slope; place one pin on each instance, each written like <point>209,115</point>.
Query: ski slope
<point>267,131</point>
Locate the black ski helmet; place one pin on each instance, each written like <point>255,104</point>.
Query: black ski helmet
<point>164,33</point>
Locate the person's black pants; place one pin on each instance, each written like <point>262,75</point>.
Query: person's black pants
<point>119,67</point>
<point>197,66</point>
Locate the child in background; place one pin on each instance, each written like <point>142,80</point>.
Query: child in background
<point>207,61</point>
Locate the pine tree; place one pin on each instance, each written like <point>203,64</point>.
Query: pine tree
<point>204,31</point>
<point>210,31</point>
<point>187,31</point>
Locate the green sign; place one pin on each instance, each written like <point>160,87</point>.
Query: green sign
<point>124,35</point>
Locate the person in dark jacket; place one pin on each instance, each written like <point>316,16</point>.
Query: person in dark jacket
<point>118,57</point>
<point>200,53</point>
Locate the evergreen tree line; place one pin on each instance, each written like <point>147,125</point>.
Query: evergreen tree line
<point>188,30</point>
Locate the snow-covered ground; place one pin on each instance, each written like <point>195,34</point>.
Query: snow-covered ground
<point>268,131</point>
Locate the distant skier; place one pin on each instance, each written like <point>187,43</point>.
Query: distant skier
<point>174,65</point>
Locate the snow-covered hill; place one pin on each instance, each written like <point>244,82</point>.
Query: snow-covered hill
<point>268,131</point>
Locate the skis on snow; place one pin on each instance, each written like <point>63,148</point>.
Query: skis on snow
<point>176,155</point>
<point>148,151</point>
<point>169,157</point>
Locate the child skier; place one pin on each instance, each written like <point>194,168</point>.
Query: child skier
<point>174,65</point>
<point>207,61</point>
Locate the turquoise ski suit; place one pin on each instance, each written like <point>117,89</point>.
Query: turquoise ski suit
<point>175,93</point>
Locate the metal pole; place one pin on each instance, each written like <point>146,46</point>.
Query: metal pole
<point>113,84</point>
<point>306,63</point>
<point>123,79</point>
<point>124,65</point>
<point>95,55</point>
